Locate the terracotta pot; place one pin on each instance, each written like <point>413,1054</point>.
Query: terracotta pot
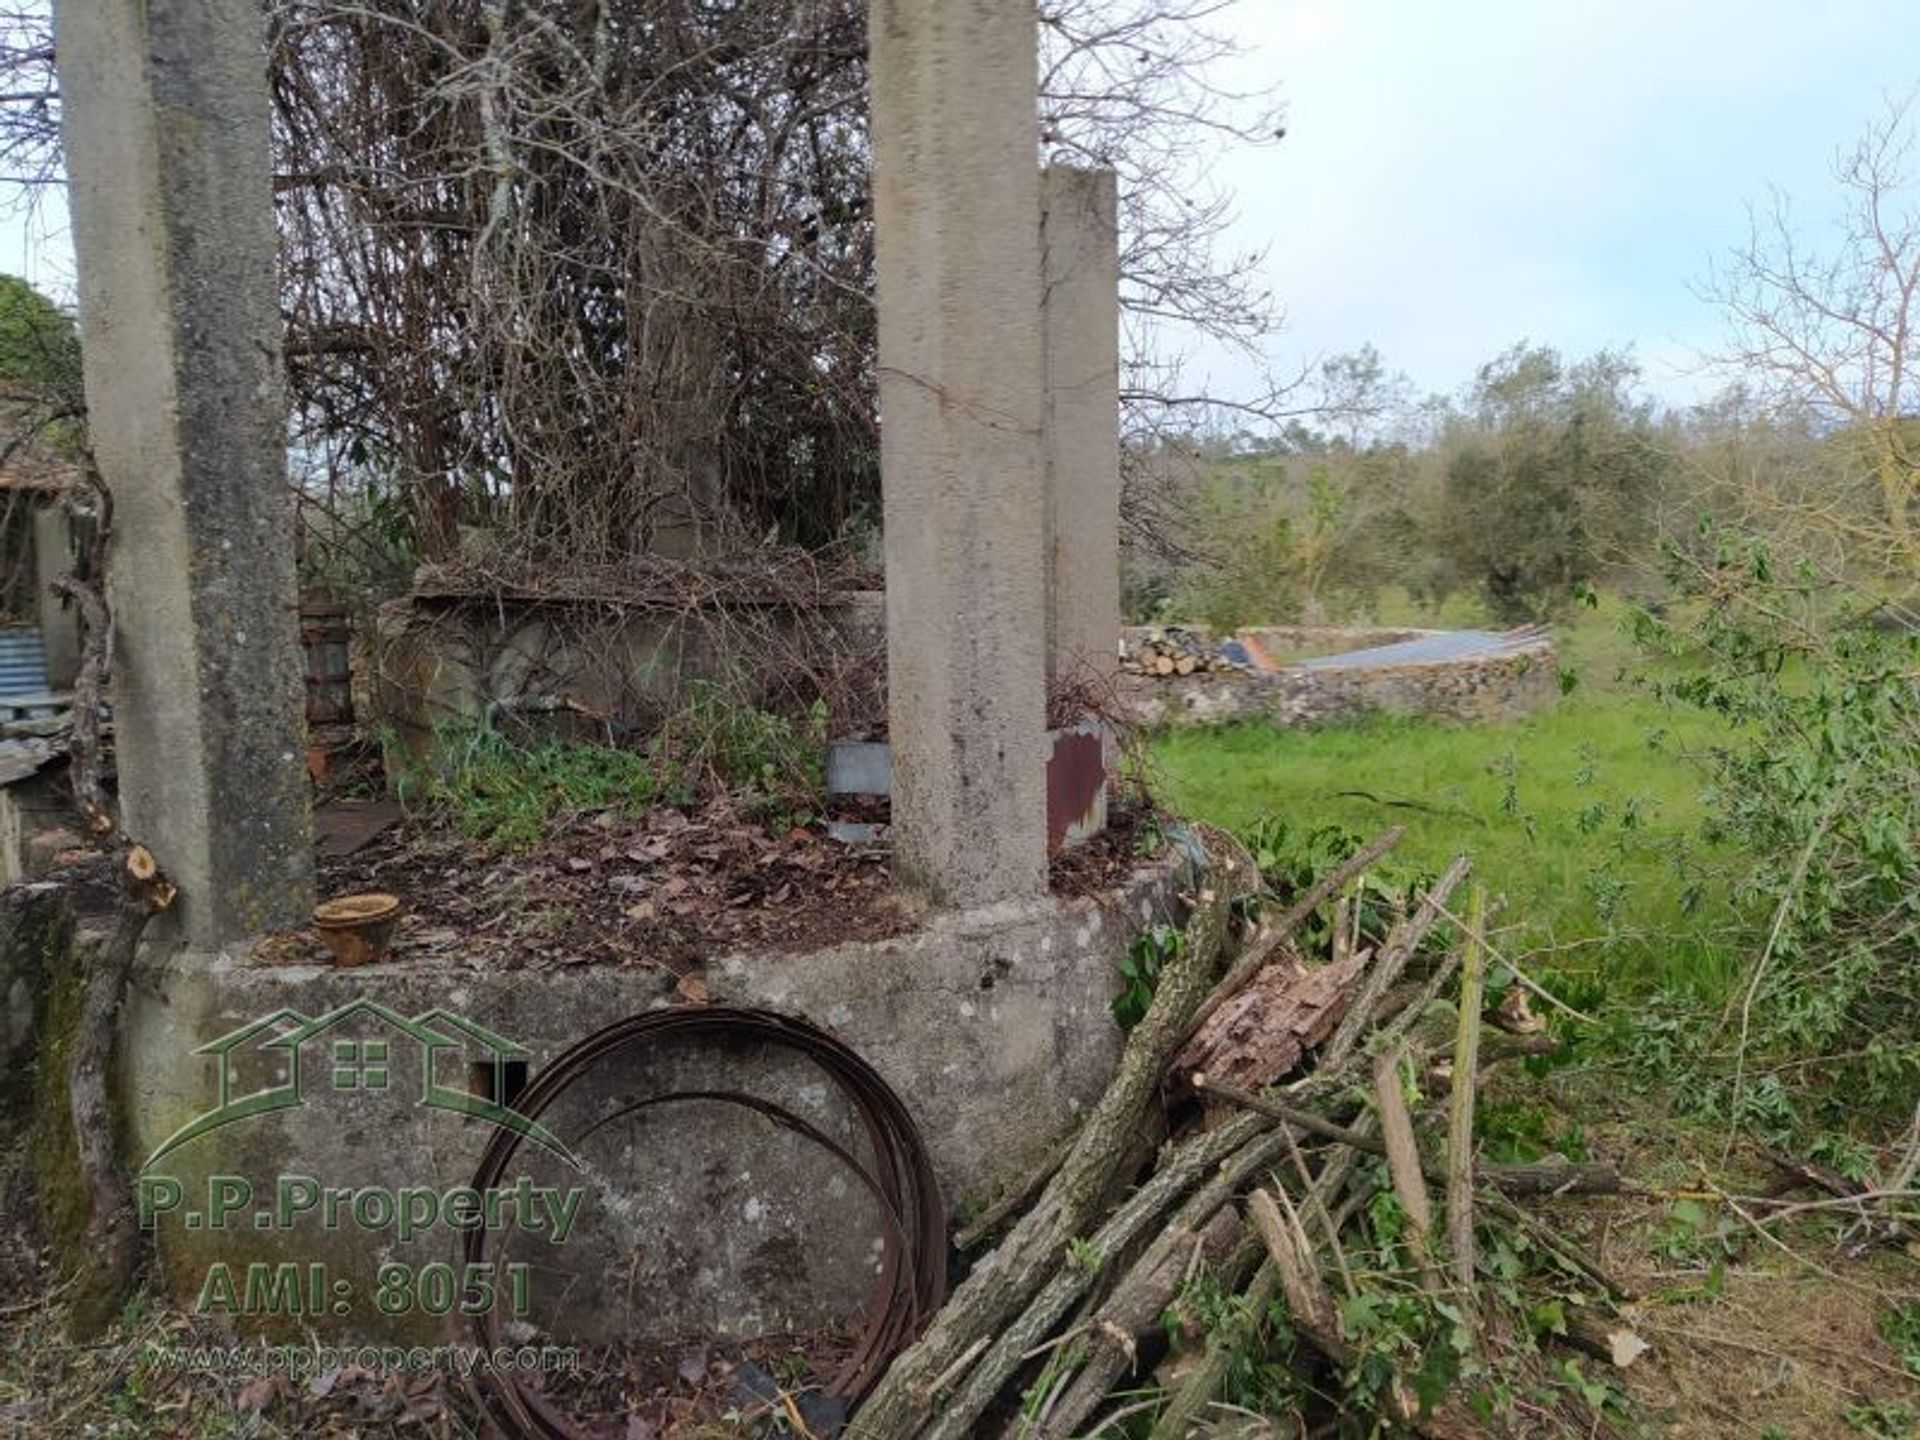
<point>357,927</point>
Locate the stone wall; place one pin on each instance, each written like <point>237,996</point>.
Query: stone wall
<point>1467,691</point>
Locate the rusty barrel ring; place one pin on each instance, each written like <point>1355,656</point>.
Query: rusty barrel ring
<point>912,1279</point>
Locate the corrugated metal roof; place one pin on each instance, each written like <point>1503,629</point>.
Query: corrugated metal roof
<point>1441,649</point>
<point>23,661</point>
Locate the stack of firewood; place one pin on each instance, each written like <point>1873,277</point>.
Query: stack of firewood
<point>1172,650</point>
<point>1261,1106</point>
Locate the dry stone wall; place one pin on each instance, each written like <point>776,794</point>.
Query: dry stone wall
<point>1469,690</point>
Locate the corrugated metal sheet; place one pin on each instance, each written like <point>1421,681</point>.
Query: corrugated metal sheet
<point>1442,649</point>
<point>23,661</point>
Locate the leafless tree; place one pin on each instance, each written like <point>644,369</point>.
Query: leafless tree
<point>594,276</point>
<point>1827,331</point>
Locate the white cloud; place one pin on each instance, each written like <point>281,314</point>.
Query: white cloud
<point>1460,175</point>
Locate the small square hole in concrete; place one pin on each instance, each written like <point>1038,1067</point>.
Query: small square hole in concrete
<point>507,1077</point>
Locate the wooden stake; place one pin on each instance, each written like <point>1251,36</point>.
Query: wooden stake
<point>1466,1074</point>
<point>1403,1162</point>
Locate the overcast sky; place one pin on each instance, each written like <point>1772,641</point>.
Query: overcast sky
<point>1461,174</point>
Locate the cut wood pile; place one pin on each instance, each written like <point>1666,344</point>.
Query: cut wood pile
<point>1291,1133</point>
<point>1173,650</point>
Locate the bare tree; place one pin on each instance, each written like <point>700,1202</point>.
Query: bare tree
<point>595,275</point>
<point>1827,331</point>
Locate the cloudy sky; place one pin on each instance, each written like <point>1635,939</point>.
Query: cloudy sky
<point>1461,174</point>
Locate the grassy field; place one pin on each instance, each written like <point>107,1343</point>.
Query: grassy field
<point>1587,815</point>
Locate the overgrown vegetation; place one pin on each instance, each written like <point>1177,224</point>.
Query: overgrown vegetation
<point>506,792</point>
<point>513,787</point>
<point>1817,788</point>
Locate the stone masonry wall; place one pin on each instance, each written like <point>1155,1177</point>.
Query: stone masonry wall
<point>1468,691</point>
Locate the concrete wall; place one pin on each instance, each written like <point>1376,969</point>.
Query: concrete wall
<point>1080,241</point>
<point>993,1025</point>
<point>962,370</point>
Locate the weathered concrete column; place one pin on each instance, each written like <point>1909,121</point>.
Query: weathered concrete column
<point>1080,239</point>
<point>957,213</point>
<point>165,105</point>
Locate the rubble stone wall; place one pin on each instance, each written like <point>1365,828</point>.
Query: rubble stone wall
<point>1468,691</point>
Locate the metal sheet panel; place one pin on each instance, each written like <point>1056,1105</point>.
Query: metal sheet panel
<point>23,661</point>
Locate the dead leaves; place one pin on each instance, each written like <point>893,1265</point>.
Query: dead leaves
<point>665,887</point>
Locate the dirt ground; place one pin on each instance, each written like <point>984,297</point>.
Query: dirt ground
<point>670,887</point>
<point>1747,1341</point>
<point>1755,1333</point>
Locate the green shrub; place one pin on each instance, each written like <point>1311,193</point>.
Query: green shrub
<point>1818,786</point>
<point>508,793</point>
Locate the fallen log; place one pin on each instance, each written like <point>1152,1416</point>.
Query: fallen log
<point>1314,1315</point>
<point>1196,1392</point>
<point>1400,948</point>
<point>1132,1313</point>
<point>1403,1163</point>
<point>1271,941</point>
<point>1008,1278</point>
<point>1466,1074</point>
<point>1266,1030</point>
<point>1059,1312</point>
<point>1552,1176</point>
<point>956,1420</point>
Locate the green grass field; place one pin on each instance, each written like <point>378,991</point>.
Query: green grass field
<point>1587,816</point>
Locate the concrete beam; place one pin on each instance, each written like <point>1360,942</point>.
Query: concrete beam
<point>165,114</point>
<point>1080,240</point>
<point>956,208</point>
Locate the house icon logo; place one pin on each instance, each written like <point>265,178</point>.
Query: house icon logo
<point>363,1046</point>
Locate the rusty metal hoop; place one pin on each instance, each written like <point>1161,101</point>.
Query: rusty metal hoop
<point>912,1279</point>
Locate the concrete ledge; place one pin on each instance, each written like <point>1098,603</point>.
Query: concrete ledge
<point>992,1024</point>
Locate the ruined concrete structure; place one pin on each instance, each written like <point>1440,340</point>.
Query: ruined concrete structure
<point>992,1025</point>
<point>1080,241</point>
<point>998,357</point>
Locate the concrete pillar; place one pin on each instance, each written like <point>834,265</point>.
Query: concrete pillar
<point>1080,240</point>
<point>957,215</point>
<point>59,620</point>
<point>165,113</point>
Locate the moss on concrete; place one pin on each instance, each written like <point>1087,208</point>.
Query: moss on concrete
<point>59,1189</point>
<point>52,1153</point>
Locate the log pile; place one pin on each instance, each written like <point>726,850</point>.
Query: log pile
<point>1259,1118</point>
<point>1173,650</point>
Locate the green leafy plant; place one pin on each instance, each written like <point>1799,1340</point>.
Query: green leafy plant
<point>1140,971</point>
<point>773,763</point>
<point>1817,787</point>
<point>509,794</point>
<point>1900,1326</point>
